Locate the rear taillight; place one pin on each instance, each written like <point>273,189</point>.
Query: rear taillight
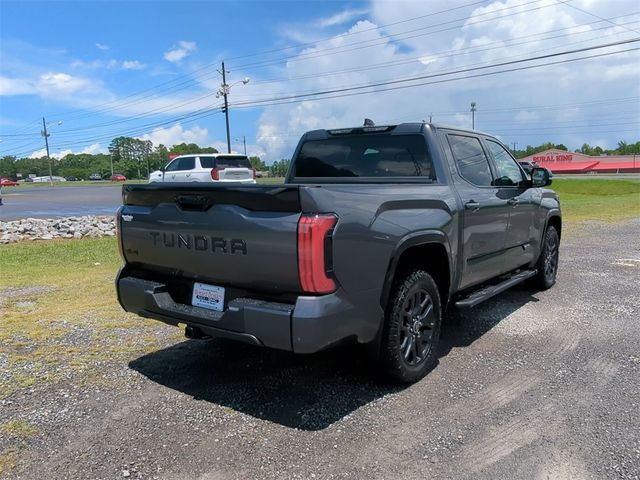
<point>215,174</point>
<point>119,233</point>
<point>253,173</point>
<point>314,251</point>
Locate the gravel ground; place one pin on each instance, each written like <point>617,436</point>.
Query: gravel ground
<point>530,385</point>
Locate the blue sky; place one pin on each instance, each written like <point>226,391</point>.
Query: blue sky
<point>149,69</point>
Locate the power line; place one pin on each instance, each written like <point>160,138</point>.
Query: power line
<point>214,65</point>
<point>565,2</point>
<point>450,53</point>
<point>394,38</point>
<point>348,34</point>
<point>121,105</point>
<point>454,72</point>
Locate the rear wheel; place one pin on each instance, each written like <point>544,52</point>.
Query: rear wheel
<point>412,328</point>
<point>547,264</point>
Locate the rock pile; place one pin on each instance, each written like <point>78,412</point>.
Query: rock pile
<point>52,228</point>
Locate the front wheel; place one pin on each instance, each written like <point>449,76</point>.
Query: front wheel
<point>412,328</point>
<point>547,264</point>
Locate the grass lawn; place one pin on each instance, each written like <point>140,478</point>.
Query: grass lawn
<point>598,200</point>
<point>59,313</point>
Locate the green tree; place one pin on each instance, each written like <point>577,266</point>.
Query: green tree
<point>131,155</point>
<point>8,166</point>
<point>257,164</point>
<point>191,148</point>
<point>279,168</point>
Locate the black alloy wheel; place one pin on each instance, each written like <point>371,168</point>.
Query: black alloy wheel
<point>418,320</point>
<point>547,264</point>
<point>412,328</point>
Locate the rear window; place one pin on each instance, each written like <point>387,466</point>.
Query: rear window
<point>365,156</point>
<point>225,162</point>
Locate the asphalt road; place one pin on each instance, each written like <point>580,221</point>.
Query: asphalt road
<point>530,385</point>
<point>51,202</point>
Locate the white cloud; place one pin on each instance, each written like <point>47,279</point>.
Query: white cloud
<point>49,84</point>
<point>110,64</point>
<point>340,18</point>
<point>177,53</point>
<point>177,134</point>
<point>15,86</point>
<point>132,65</point>
<point>91,150</point>
<point>102,47</point>
<point>61,83</point>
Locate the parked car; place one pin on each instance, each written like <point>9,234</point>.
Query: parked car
<point>5,182</point>
<point>210,167</point>
<point>527,166</point>
<point>374,233</point>
<point>95,176</point>
<point>118,177</point>
<point>72,179</point>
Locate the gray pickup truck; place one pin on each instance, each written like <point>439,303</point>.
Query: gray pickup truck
<point>375,231</point>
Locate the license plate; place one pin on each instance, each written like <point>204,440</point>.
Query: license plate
<point>208,296</point>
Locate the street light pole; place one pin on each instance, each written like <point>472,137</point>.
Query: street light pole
<point>225,93</point>
<point>473,115</point>
<point>45,134</point>
<point>244,143</point>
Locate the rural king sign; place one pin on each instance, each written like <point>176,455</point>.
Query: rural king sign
<point>553,158</point>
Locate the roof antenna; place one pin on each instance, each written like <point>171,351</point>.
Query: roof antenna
<point>369,123</point>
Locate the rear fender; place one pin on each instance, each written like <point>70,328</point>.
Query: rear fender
<point>413,240</point>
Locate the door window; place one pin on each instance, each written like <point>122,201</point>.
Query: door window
<point>471,160</point>
<point>508,172</point>
<point>187,163</point>
<point>173,166</point>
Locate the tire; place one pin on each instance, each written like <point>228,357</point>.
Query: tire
<point>412,328</point>
<point>547,264</point>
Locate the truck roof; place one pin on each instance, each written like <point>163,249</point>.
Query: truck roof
<point>398,129</point>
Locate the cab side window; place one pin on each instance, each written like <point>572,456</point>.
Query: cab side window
<point>508,172</point>
<point>471,160</point>
<point>187,163</point>
<point>173,166</point>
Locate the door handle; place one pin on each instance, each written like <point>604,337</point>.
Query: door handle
<point>472,205</point>
<point>513,201</point>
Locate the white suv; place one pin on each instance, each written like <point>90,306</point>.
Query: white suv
<point>206,167</point>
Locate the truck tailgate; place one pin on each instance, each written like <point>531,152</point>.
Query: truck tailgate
<point>241,236</point>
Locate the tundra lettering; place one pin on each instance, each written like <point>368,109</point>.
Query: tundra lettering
<point>199,242</point>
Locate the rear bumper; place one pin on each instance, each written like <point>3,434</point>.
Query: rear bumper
<point>310,325</point>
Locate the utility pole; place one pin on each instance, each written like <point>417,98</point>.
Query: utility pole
<point>225,93</point>
<point>473,115</point>
<point>430,117</point>
<point>244,142</point>
<point>514,147</point>
<point>45,134</point>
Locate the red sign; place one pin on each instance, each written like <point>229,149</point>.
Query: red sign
<point>173,155</point>
<point>553,158</point>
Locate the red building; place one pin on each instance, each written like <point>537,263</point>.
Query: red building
<point>559,161</point>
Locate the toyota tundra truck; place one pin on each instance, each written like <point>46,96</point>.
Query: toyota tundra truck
<point>375,231</point>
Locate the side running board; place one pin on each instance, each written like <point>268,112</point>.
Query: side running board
<point>487,292</point>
